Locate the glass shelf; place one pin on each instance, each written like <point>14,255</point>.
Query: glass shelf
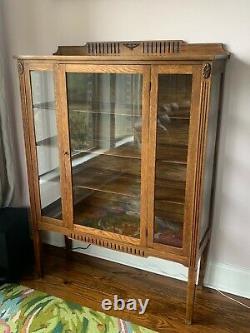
<point>48,105</point>
<point>107,110</point>
<point>109,181</point>
<point>49,141</point>
<point>129,150</point>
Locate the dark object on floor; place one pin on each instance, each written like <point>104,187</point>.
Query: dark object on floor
<point>16,253</point>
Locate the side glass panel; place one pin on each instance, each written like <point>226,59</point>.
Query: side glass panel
<point>43,100</point>
<point>105,134</point>
<point>173,115</point>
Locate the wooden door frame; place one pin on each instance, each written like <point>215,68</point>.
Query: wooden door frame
<point>192,158</point>
<point>62,69</point>
<point>33,162</point>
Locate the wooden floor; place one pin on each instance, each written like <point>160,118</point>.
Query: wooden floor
<point>87,281</point>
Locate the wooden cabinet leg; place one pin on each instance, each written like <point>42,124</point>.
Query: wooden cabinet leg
<point>37,252</point>
<point>203,265</point>
<point>68,244</point>
<point>192,275</point>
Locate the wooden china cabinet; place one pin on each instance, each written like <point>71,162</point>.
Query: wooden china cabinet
<point>120,143</point>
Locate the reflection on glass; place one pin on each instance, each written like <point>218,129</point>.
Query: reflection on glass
<point>173,115</point>
<point>43,99</point>
<point>105,134</point>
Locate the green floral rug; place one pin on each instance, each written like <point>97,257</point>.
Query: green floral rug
<point>24,310</point>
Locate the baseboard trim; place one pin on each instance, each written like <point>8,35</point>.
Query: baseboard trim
<point>228,278</point>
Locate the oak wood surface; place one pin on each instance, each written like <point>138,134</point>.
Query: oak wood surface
<point>62,104</point>
<point>175,165</point>
<point>166,49</point>
<point>87,281</point>
<point>29,163</point>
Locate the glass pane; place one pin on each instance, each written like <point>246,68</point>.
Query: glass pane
<point>173,115</point>
<point>105,134</point>
<point>43,99</point>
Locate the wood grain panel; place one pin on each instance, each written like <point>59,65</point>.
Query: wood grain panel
<point>122,69</point>
<point>65,145</point>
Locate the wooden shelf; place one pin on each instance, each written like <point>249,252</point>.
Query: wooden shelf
<point>106,108</point>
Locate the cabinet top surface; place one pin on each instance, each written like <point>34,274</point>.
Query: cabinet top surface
<point>136,50</point>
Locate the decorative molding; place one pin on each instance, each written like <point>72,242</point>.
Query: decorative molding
<point>131,45</point>
<point>202,126</point>
<point>109,244</point>
<point>103,48</point>
<point>164,48</point>
<point>124,48</point>
<point>137,47</point>
<point>206,70</point>
<point>20,67</point>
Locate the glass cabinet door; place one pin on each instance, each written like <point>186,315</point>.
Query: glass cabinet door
<point>105,125</point>
<point>46,142</point>
<point>172,132</point>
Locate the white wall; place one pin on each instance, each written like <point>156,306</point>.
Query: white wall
<point>35,26</point>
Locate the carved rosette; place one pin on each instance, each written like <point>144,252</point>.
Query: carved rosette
<point>20,67</point>
<point>206,70</point>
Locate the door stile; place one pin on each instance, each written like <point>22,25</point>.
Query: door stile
<point>30,162</point>
<point>64,145</point>
<point>152,152</point>
<point>202,123</point>
<point>145,154</point>
<point>192,159</point>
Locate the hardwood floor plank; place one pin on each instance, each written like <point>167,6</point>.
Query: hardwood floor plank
<point>87,281</point>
